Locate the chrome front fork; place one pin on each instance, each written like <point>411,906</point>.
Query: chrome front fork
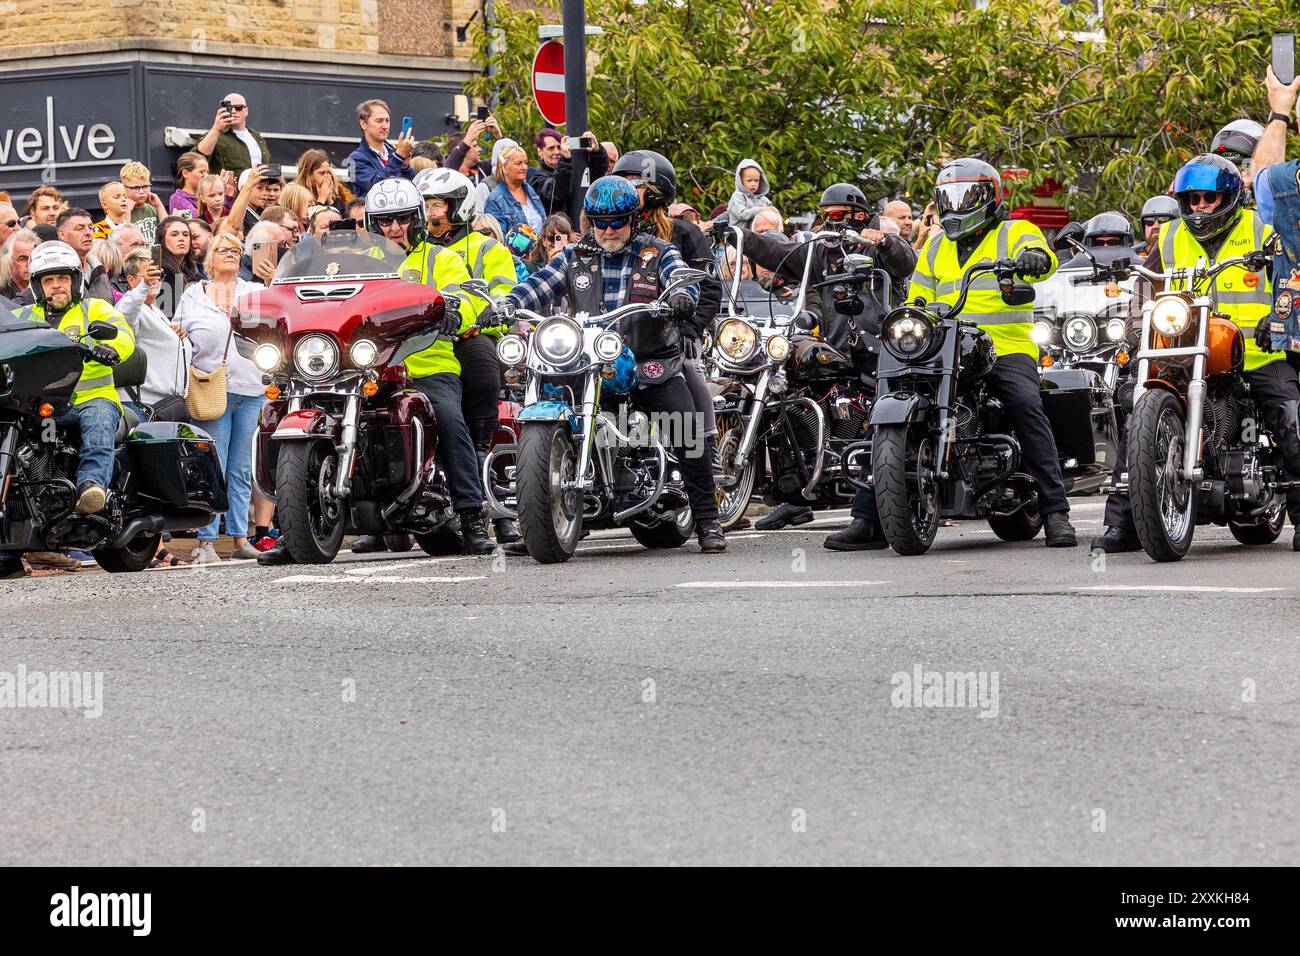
<point>750,438</point>
<point>347,447</point>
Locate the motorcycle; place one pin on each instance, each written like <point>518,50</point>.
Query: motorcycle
<point>789,404</point>
<point>346,444</point>
<point>940,443</point>
<point>584,458</point>
<point>166,475</point>
<point>1192,457</point>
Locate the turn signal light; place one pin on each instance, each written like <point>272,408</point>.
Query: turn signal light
<point>46,409</point>
<point>1112,290</point>
<point>511,375</point>
<point>369,389</point>
<point>273,392</point>
<point>1251,280</point>
<point>1121,358</point>
<point>1048,361</point>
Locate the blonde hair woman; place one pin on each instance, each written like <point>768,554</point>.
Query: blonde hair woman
<point>513,201</point>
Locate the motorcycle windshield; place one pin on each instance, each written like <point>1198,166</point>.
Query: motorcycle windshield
<point>341,254</point>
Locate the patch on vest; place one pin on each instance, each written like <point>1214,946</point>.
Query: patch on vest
<point>409,275</point>
<point>582,282</point>
<point>648,253</point>
<point>73,332</point>
<point>652,370</point>
<point>1291,283</point>
<point>645,286</point>
<point>1284,304</point>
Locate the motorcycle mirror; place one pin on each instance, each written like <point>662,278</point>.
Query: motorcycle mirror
<point>1020,293</point>
<point>805,320</point>
<point>102,331</point>
<point>1073,232</point>
<point>856,262</point>
<point>476,287</point>
<point>683,278</point>
<point>244,346</point>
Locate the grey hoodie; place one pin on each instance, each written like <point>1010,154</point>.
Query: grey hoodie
<point>744,205</point>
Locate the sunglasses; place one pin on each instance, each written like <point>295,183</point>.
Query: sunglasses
<point>401,219</point>
<point>11,223</point>
<point>618,223</point>
<point>841,215</point>
<point>1152,220</point>
<point>1197,196</point>
<point>237,109</point>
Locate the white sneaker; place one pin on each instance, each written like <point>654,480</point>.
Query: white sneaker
<point>245,552</point>
<point>205,553</point>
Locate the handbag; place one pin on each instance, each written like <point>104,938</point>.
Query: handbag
<point>206,396</point>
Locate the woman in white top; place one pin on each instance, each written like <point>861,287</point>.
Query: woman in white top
<point>204,314</point>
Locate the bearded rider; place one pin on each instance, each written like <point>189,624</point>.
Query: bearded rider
<point>610,267</point>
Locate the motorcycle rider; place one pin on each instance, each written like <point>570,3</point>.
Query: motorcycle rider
<point>58,286</point>
<point>1236,143</point>
<point>842,206</point>
<point>449,208</point>
<point>611,266</point>
<point>395,210</point>
<point>1156,211</point>
<point>976,227</point>
<point>1215,224</point>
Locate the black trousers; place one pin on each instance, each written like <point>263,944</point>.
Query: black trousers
<point>1013,380</point>
<point>1276,393</point>
<point>683,427</point>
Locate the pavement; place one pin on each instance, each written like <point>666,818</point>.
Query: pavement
<point>987,703</point>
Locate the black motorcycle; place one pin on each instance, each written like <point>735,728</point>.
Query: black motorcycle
<point>167,476</point>
<point>941,445</point>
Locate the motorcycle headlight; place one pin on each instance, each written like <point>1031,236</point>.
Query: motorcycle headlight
<point>607,346</point>
<point>908,335</point>
<point>559,340</point>
<point>364,353</point>
<point>778,348</point>
<point>737,340</point>
<point>316,356</point>
<point>1115,329</point>
<point>511,350</point>
<point>267,357</point>
<point>1080,333</point>
<point>1171,315</point>
<point>1041,333</point>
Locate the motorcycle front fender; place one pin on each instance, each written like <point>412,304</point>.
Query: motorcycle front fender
<point>898,408</point>
<point>549,411</point>
<point>305,423</point>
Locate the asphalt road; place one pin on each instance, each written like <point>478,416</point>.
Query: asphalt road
<point>667,708</point>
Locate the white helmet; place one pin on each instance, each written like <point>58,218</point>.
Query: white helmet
<point>51,258</point>
<point>394,197</point>
<point>449,185</point>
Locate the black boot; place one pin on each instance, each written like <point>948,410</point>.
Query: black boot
<point>860,535</point>
<point>1116,541</point>
<point>516,548</point>
<point>712,540</point>
<point>784,515</point>
<point>473,532</point>
<point>505,530</point>
<point>369,544</point>
<point>1058,530</point>
<point>275,556</point>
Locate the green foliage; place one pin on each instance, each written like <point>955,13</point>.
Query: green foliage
<point>882,91</point>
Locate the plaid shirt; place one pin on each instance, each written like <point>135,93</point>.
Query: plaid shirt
<point>549,284</point>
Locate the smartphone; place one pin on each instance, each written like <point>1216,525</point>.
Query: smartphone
<point>225,105</point>
<point>155,255</point>
<point>407,123</point>
<point>484,112</point>
<point>274,171</point>
<point>263,252</point>
<point>1284,57</point>
<point>575,142</point>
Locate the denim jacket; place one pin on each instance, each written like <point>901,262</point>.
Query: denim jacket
<point>1284,180</point>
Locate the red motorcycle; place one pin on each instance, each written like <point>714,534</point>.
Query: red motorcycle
<point>346,444</point>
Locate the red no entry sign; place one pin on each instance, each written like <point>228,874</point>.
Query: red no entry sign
<point>548,81</point>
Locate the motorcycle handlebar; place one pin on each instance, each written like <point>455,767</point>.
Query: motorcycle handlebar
<point>1124,269</point>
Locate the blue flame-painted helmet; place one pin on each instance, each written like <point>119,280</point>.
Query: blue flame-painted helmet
<point>611,198</point>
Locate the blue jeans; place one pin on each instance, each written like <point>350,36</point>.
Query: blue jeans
<point>98,420</point>
<point>456,451</point>
<point>233,435</point>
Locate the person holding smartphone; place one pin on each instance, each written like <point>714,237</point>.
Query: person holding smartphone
<point>231,143</point>
<point>551,179</point>
<point>374,159</point>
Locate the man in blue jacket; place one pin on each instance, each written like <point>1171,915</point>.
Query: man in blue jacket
<point>375,159</point>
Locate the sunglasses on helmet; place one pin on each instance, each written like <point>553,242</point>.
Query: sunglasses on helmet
<point>401,218</point>
<point>615,223</point>
<point>1195,196</point>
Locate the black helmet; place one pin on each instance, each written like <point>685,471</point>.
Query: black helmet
<point>654,170</point>
<point>1108,225</point>
<point>967,196</point>
<point>1236,142</point>
<point>847,194</point>
<point>1159,208</point>
<point>1208,173</point>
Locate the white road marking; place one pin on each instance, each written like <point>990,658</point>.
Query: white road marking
<point>379,567</point>
<point>1196,588</point>
<point>372,579</point>
<point>721,585</point>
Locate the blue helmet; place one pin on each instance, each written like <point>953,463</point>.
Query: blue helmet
<point>1214,174</point>
<point>611,197</point>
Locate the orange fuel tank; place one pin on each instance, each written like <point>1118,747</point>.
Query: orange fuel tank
<point>1227,347</point>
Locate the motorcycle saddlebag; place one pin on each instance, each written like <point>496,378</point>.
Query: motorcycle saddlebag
<point>177,463</point>
<point>1077,404</point>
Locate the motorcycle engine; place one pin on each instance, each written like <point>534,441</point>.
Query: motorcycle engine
<point>846,415</point>
<point>967,422</point>
<point>1223,419</point>
<point>36,461</point>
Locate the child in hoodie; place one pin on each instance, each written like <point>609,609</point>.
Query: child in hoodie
<point>750,195</point>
